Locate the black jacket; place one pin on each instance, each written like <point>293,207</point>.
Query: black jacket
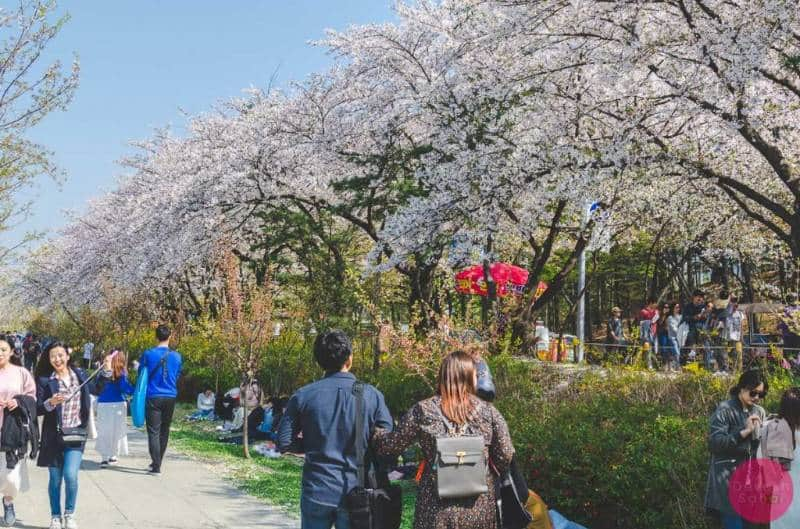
<point>20,429</point>
<point>224,407</point>
<point>51,448</point>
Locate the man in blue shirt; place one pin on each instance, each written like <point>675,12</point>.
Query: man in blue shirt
<point>163,366</point>
<point>325,413</point>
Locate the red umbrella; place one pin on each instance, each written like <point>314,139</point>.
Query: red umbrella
<point>509,279</point>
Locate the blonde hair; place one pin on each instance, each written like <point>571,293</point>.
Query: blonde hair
<point>456,386</point>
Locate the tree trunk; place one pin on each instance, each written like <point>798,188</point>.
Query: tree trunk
<point>245,437</point>
<point>419,299</point>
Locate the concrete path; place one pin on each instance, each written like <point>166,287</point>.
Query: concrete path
<point>188,495</point>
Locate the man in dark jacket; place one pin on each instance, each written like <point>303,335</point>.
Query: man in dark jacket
<point>325,412</point>
<point>694,316</point>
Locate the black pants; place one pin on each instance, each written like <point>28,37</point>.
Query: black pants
<point>158,417</point>
<point>30,362</point>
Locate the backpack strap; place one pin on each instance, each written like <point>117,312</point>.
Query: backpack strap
<point>161,364</point>
<point>358,392</point>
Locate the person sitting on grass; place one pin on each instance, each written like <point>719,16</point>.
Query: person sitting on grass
<point>205,407</point>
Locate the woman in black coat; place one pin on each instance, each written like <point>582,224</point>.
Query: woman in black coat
<point>64,400</point>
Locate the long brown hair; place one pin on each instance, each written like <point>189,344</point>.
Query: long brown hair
<point>790,410</point>
<point>119,364</point>
<point>457,386</point>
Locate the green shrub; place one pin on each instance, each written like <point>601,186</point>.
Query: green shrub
<point>610,463</point>
<point>617,448</point>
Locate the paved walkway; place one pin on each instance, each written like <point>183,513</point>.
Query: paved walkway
<point>188,495</point>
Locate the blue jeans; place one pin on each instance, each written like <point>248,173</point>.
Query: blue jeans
<point>314,515</point>
<point>709,355</point>
<point>68,472</point>
<point>201,415</point>
<point>732,521</point>
<point>676,351</point>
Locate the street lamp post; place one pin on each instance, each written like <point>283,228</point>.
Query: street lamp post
<point>581,316</point>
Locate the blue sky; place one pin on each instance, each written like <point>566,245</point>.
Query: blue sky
<point>145,62</point>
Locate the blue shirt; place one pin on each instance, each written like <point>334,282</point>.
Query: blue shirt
<point>163,380</point>
<point>325,412</point>
<point>115,390</point>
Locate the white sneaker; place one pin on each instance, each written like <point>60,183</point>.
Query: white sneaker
<point>69,521</point>
<point>55,523</point>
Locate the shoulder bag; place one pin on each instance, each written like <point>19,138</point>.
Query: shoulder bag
<point>76,435</point>
<point>370,508</point>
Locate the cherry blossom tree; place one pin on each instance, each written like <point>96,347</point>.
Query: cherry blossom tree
<point>29,90</point>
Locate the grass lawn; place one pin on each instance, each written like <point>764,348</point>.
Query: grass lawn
<point>274,480</point>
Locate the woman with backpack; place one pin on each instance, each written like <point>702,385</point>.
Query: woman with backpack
<point>465,442</point>
<point>63,397</point>
<point>112,429</point>
<point>16,383</point>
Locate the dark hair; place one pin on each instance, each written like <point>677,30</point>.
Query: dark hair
<point>790,410</point>
<point>43,367</point>
<point>698,293</point>
<point>332,349</point>
<point>163,333</point>
<point>651,300</point>
<point>750,380</point>
<point>13,357</point>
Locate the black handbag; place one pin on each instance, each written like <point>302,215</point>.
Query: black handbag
<point>513,514</point>
<point>76,435</point>
<point>73,436</point>
<point>375,507</point>
<point>512,493</point>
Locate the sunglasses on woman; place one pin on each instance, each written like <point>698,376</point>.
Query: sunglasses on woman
<point>757,394</point>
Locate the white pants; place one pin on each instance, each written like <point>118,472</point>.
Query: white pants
<point>91,428</point>
<point>14,481</point>
<point>112,430</point>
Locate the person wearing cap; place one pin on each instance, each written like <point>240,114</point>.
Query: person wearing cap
<point>615,334</point>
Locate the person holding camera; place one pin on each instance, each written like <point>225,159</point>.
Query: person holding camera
<point>63,397</point>
<point>733,439</point>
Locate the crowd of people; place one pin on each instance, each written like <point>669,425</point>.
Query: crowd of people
<point>349,440</point>
<point>673,334</point>
<point>45,381</point>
